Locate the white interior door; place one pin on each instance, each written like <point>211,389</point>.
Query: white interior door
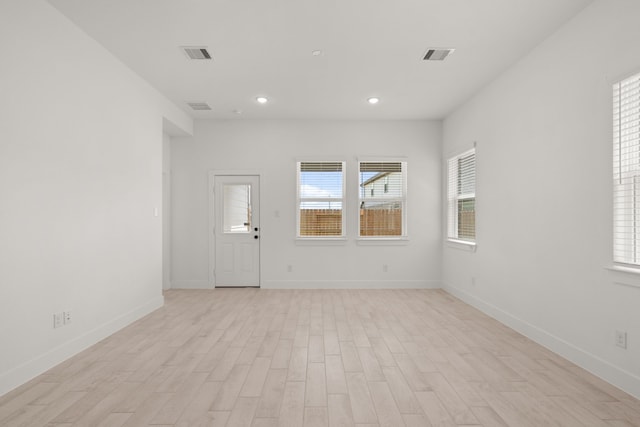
<point>237,230</point>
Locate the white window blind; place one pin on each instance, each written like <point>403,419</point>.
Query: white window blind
<point>461,194</point>
<point>383,195</point>
<point>320,199</point>
<point>626,171</point>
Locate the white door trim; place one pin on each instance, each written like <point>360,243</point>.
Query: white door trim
<point>212,219</point>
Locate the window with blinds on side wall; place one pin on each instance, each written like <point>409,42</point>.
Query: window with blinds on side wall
<point>461,195</point>
<point>382,197</point>
<point>321,199</point>
<point>626,171</point>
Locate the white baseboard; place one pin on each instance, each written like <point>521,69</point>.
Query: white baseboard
<point>34,367</point>
<point>620,378</point>
<point>190,284</point>
<point>351,284</point>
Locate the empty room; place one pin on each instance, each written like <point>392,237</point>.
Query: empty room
<point>319,213</point>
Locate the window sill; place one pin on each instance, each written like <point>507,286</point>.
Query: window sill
<point>621,269</point>
<point>630,272</point>
<point>462,245</point>
<point>382,241</point>
<point>320,241</point>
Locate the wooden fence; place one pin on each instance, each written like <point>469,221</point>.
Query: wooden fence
<point>320,222</point>
<point>380,222</point>
<point>328,222</point>
<point>467,224</point>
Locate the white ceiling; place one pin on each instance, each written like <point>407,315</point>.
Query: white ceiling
<point>370,48</point>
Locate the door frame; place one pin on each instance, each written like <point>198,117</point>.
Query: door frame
<point>212,218</point>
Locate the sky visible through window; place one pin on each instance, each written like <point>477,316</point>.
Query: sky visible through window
<point>321,185</point>
<point>324,185</point>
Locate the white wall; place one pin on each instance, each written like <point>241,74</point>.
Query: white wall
<point>80,176</point>
<point>271,148</point>
<point>544,177</point>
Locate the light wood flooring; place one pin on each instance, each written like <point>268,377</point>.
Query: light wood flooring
<point>263,358</point>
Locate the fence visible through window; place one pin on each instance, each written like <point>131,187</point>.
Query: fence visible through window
<point>382,199</point>
<point>320,199</point>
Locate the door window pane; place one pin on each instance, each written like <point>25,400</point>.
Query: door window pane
<point>237,208</point>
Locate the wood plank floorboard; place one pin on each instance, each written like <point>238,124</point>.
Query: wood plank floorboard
<point>267,358</point>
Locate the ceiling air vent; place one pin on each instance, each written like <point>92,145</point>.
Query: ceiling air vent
<point>196,52</point>
<point>199,106</point>
<point>437,54</point>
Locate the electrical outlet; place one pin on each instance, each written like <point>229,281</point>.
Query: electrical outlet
<point>66,317</point>
<point>621,339</point>
<point>473,281</point>
<point>57,320</point>
<point>385,268</point>
<point>289,268</point>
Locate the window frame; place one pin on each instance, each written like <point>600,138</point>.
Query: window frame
<point>626,172</point>
<point>342,200</point>
<point>453,198</point>
<point>402,200</point>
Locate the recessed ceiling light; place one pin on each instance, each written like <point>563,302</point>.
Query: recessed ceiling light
<point>238,112</point>
<point>316,53</point>
<point>373,100</point>
<point>262,100</point>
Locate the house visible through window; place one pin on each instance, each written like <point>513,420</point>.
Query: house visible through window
<point>626,171</point>
<point>320,199</point>
<point>461,194</point>
<point>382,199</point>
